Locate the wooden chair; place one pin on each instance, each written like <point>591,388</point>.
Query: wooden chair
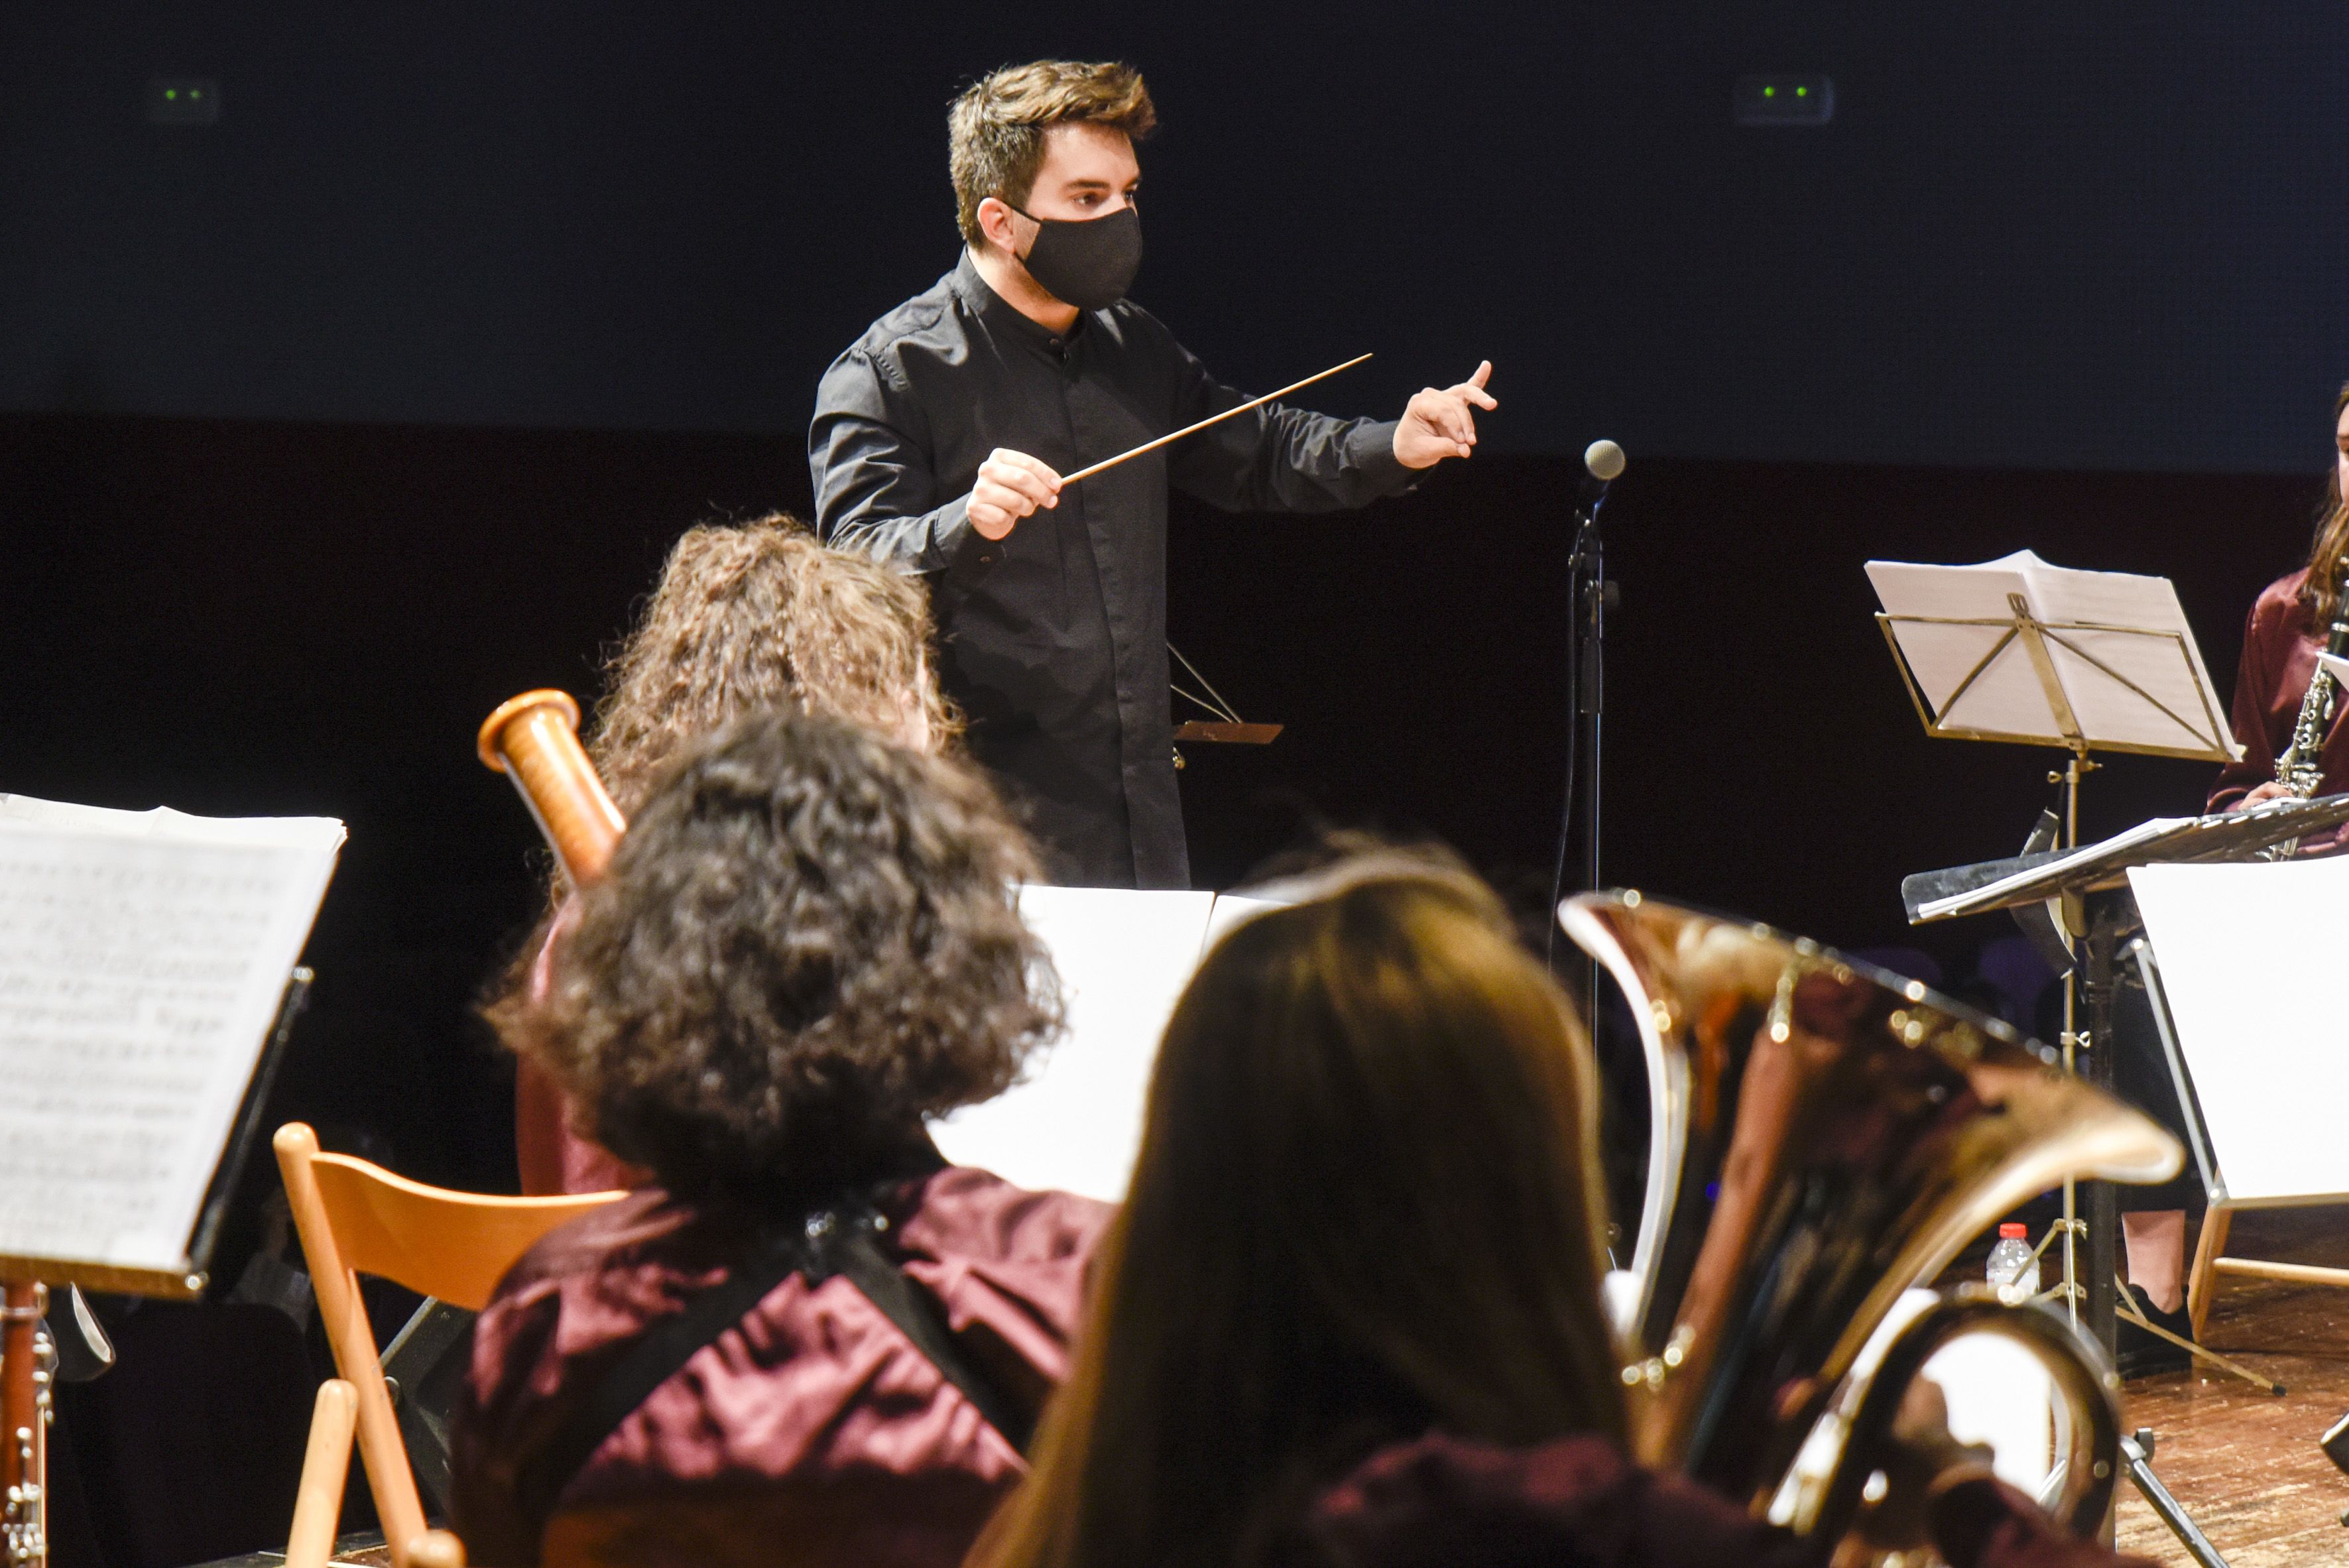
<point>356,1218</point>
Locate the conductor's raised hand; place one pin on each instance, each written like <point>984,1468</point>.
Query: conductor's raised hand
<point>1010,486</point>
<point>1441,421</point>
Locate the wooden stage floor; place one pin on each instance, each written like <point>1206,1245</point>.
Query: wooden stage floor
<point>2245,1463</point>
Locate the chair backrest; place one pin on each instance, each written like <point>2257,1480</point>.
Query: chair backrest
<point>452,1246</point>
<point>356,1218</point>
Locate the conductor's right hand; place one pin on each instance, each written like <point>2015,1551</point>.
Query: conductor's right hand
<point>1010,486</point>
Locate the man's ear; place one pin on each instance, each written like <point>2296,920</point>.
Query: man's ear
<point>998,222</point>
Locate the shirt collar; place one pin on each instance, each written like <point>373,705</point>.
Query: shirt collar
<point>1000,314</point>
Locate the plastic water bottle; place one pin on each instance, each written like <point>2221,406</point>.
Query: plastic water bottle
<point>2013,1267</point>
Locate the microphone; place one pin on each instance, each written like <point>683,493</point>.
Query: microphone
<point>1603,463</point>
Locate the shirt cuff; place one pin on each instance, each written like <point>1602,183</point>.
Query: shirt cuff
<point>966,553</point>
<point>1369,450</point>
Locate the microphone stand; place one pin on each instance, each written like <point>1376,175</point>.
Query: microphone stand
<point>1590,595</point>
<point>1595,596</point>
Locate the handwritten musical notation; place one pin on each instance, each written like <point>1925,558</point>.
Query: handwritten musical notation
<point>139,973</point>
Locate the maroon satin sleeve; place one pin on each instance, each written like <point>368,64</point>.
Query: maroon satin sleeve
<point>2274,625</point>
<point>554,1155</point>
<point>1443,1501</point>
<point>2280,648</point>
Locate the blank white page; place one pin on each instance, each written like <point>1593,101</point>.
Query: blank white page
<point>141,969</point>
<point>1075,1124</point>
<point>2251,957</point>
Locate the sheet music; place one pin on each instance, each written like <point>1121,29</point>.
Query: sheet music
<point>141,960</point>
<point>1075,1123</point>
<point>1232,909</point>
<point>2008,698</point>
<point>2248,956</point>
<point>1992,895</point>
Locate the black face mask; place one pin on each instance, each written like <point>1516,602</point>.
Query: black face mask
<point>1088,262</point>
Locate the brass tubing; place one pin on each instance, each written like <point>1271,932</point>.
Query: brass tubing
<point>534,739</point>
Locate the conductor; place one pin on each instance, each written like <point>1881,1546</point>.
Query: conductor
<point>941,435</point>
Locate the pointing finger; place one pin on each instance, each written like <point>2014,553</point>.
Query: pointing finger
<point>1484,373</point>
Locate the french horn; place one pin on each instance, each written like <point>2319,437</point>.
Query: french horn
<point>1825,1136</point>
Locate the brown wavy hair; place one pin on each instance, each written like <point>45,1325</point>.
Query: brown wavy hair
<point>1365,1207</point>
<point>995,131</point>
<point>805,945</point>
<point>2320,593</point>
<point>746,617</point>
<point>761,615</point>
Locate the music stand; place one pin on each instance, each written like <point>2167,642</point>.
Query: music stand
<point>2020,652</point>
<point>148,983</point>
<point>1224,725</point>
<point>2096,880</point>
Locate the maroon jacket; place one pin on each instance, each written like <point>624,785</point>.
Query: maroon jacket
<point>814,1422</point>
<point>1441,1503</point>
<point>2280,642</point>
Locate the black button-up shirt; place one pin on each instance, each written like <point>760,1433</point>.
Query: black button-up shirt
<point>1054,637</point>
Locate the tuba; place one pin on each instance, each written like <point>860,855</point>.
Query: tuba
<point>1823,1137</point>
<point>534,739</point>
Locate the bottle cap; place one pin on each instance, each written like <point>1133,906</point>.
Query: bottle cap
<point>2013,1231</point>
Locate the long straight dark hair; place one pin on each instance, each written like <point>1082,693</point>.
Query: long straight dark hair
<point>1365,1207</point>
<point>2322,591</point>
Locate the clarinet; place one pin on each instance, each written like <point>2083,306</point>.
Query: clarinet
<point>2300,769</point>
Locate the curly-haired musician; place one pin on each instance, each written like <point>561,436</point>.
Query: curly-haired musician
<point>745,617</point>
<point>2289,624</point>
<point>941,435</point>
<point>812,1338</point>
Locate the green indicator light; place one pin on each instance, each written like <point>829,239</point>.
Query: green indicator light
<point>196,93</point>
<point>1801,92</point>
<point>1769,92</point>
<point>171,93</point>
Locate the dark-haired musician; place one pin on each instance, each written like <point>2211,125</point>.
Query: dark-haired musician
<point>2288,623</point>
<point>941,435</point>
<point>812,1340</point>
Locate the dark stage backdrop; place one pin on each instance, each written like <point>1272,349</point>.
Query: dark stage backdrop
<point>252,618</point>
<point>2100,234</point>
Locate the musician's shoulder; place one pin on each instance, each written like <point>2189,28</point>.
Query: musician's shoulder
<point>910,321</point>
<point>2283,595</point>
<point>917,330</point>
